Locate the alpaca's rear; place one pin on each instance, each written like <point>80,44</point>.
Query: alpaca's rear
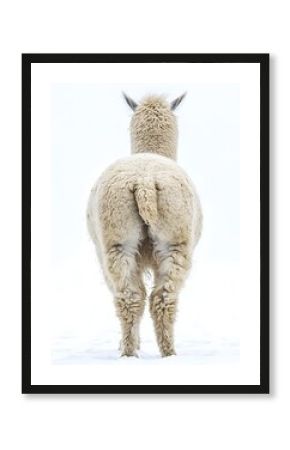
<point>144,214</point>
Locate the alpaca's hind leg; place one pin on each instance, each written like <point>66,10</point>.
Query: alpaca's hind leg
<point>129,295</point>
<point>130,307</point>
<point>172,264</point>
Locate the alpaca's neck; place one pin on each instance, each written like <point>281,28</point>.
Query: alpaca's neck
<point>155,143</point>
<point>154,129</point>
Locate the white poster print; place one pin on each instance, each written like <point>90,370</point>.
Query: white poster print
<point>80,125</point>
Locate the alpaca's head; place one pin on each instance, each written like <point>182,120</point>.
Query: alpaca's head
<point>154,126</point>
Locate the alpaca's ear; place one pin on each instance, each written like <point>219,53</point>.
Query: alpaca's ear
<point>133,105</point>
<point>176,102</point>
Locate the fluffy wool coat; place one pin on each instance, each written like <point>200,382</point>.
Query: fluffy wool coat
<point>144,213</point>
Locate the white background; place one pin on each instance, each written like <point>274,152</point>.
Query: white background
<point>90,422</point>
<point>79,127</point>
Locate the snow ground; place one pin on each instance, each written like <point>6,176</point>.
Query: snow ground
<point>77,350</point>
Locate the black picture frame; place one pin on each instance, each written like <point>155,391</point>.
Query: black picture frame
<point>263,60</point>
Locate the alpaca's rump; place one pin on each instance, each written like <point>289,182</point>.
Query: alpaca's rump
<point>144,190</point>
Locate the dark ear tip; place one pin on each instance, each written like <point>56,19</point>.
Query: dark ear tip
<point>125,96</point>
<point>133,105</point>
<point>177,101</point>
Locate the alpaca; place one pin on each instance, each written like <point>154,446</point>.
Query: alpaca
<point>144,214</point>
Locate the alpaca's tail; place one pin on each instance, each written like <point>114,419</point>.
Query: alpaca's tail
<point>145,193</point>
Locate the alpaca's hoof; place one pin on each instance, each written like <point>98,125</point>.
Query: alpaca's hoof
<point>129,354</point>
<point>168,353</point>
